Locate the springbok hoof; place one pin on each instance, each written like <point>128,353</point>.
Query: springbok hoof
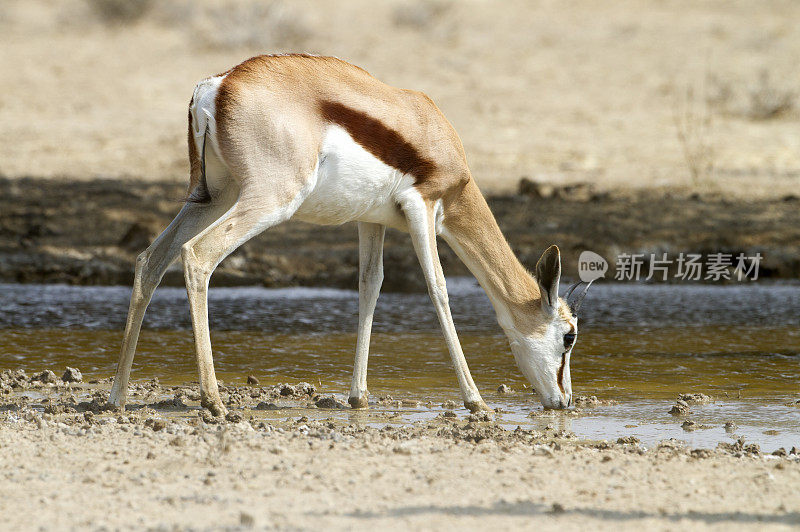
<point>110,406</point>
<point>477,406</point>
<point>358,403</point>
<point>217,409</point>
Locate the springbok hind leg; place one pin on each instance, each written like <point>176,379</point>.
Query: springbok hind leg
<point>255,210</point>
<point>421,227</point>
<point>370,277</point>
<point>150,268</point>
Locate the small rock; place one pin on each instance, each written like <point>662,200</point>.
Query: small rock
<point>480,417</point>
<point>410,403</point>
<point>557,508</point>
<point>504,389</point>
<point>700,453</point>
<point>689,425</point>
<point>449,405</point>
<point>582,401</point>
<point>528,187</point>
<point>233,417</point>
<point>329,402</point>
<point>679,408</point>
<point>779,452</point>
<point>405,448</point>
<point>252,380</point>
<point>302,388</point>
<point>543,450</point>
<point>628,440</point>
<point>752,448</point>
<point>267,406</point>
<point>158,424</point>
<point>694,398</point>
<point>449,414</point>
<point>46,377</point>
<point>72,375</point>
<point>730,426</point>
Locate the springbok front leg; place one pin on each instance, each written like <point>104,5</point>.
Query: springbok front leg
<point>150,268</point>
<point>370,278</point>
<point>257,209</point>
<point>421,227</point>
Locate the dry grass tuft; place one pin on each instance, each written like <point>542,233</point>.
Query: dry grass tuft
<point>694,128</point>
<point>120,12</point>
<point>768,101</point>
<point>263,25</point>
<point>420,15</point>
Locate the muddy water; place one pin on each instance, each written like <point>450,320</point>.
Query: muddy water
<point>639,346</point>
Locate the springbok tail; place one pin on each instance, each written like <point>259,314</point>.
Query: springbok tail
<point>200,193</point>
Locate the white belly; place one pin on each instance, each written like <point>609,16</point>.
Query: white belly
<point>352,184</point>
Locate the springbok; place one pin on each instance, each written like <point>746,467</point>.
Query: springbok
<point>317,139</point>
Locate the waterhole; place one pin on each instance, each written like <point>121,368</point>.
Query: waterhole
<point>638,346</point>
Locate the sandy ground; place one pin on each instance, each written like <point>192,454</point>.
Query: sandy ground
<point>67,464</point>
<point>557,91</point>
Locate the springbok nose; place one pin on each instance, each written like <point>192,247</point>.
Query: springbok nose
<point>558,403</point>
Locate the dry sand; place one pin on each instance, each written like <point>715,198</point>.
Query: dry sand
<point>558,91</point>
<point>162,466</point>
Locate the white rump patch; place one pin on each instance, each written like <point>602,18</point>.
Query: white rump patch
<point>203,112</point>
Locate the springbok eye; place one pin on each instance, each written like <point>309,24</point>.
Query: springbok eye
<point>569,339</point>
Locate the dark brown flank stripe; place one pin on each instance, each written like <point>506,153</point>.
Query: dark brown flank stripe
<point>384,143</point>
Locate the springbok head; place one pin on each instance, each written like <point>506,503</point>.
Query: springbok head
<point>542,351</point>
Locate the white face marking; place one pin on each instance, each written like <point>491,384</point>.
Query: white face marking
<point>352,184</point>
<point>540,357</point>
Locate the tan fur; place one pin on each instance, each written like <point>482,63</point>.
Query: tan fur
<point>289,99</point>
<point>470,222</point>
<point>272,113</point>
<point>286,102</point>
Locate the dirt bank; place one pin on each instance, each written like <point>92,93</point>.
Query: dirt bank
<point>279,462</point>
<point>90,233</point>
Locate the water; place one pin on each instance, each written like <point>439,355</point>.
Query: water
<point>639,345</point>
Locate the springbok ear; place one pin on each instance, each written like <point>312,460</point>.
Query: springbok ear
<point>548,273</point>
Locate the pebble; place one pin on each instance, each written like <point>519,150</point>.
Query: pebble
<point>329,402</point>
<point>72,375</point>
<point>679,408</point>
<point>694,398</point>
<point>47,377</point>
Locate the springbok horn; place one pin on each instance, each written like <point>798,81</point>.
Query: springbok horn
<point>572,289</point>
<point>575,303</point>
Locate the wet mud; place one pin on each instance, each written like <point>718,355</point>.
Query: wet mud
<point>92,234</point>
